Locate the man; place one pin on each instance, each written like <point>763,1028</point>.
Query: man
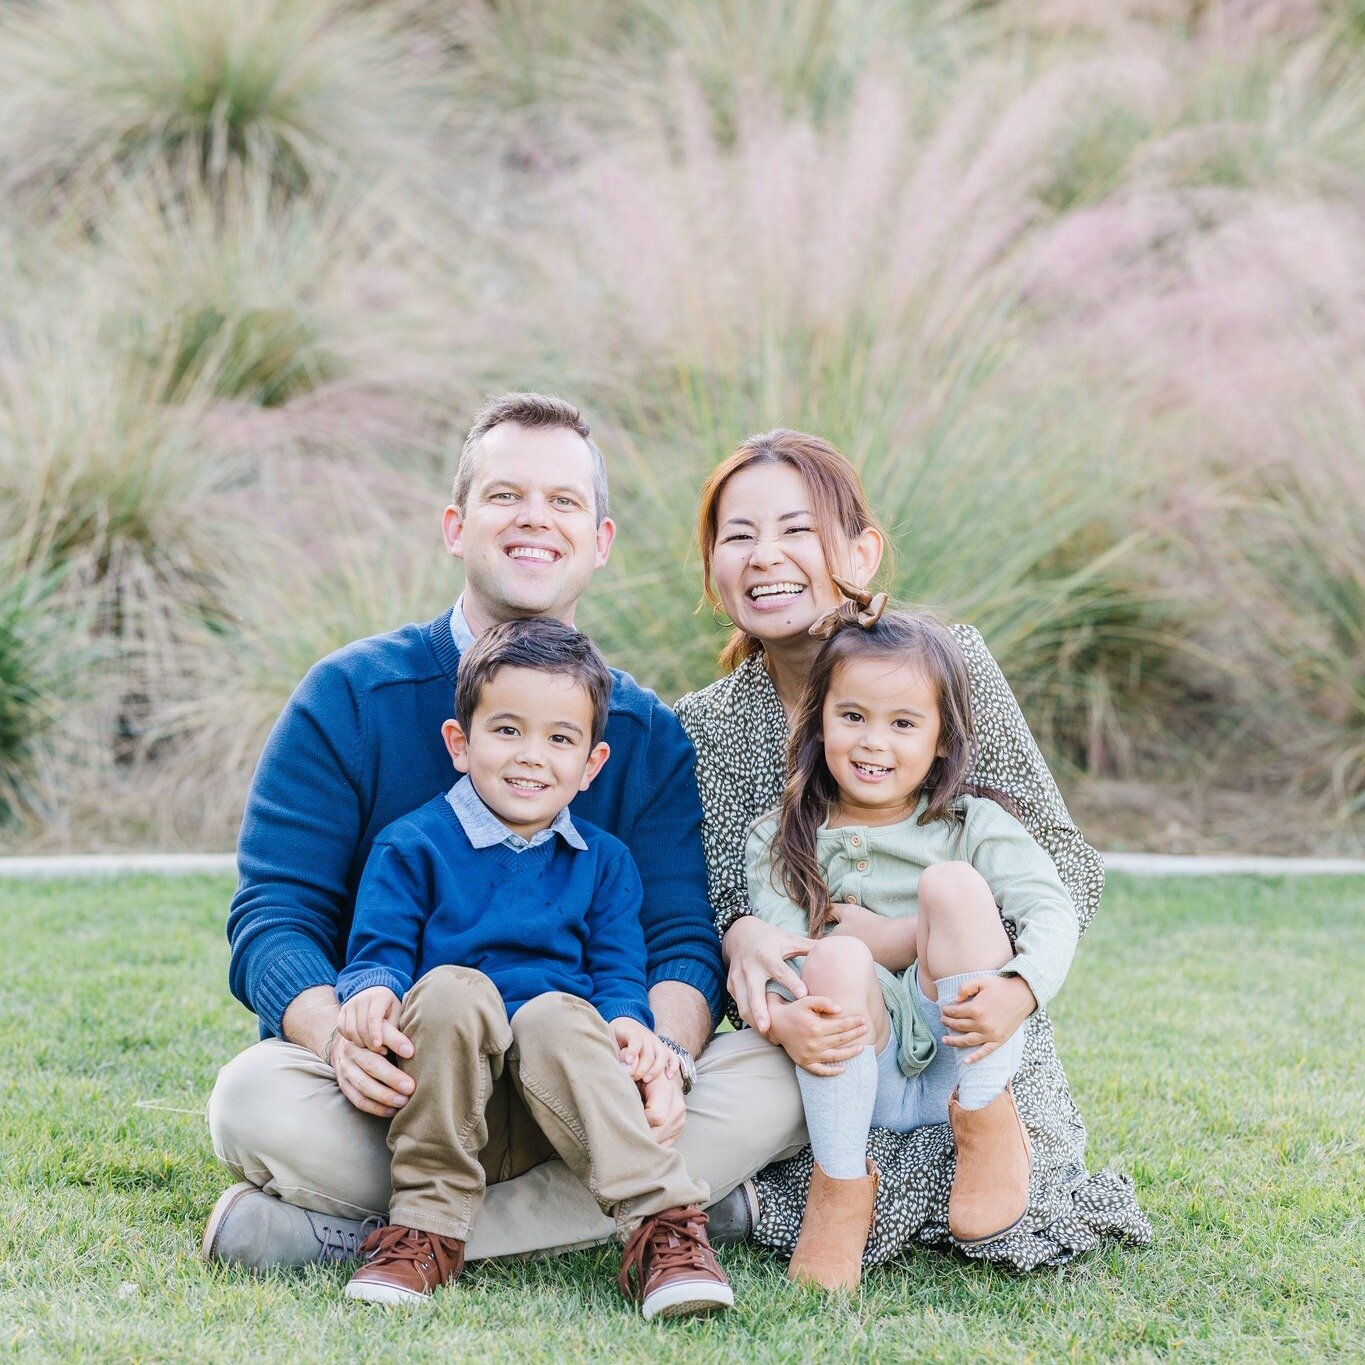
<point>301,1118</point>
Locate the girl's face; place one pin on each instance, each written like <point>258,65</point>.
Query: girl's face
<point>880,725</point>
<point>768,560</point>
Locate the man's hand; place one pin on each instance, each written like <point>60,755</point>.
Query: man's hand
<point>987,1011</point>
<point>756,953</point>
<point>365,1016</point>
<point>816,1033</point>
<point>641,1052</point>
<point>665,1111</point>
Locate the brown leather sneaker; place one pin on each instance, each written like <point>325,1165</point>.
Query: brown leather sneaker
<point>670,1267</point>
<point>405,1265</point>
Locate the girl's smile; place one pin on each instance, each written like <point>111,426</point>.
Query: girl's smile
<point>880,725</point>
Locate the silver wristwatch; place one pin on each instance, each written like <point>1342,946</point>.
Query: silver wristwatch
<point>687,1066</point>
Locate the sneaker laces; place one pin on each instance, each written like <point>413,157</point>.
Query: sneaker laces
<point>670,1241</point>
<point>344,1243</point>
<point>395,1244</point>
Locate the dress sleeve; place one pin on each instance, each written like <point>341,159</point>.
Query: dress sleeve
<point>722,832</point>
<point>1009,760</point>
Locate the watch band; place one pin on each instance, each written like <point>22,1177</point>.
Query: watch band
<point>688,1067</point>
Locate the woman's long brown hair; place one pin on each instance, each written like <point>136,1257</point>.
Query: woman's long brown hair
<point>920,642</point>
<point>838,503</point>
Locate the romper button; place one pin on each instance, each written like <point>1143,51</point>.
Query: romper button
<point>861,864</point>
<point>856,840</point>
<point>850,899</point>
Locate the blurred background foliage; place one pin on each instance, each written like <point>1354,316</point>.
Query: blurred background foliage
<point>1079,285</point>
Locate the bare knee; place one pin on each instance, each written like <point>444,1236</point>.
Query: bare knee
<point>838,966</point>
<point>949,887</point>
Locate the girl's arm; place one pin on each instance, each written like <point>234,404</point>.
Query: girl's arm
<point>892,941</point>
<point>1029,893</point>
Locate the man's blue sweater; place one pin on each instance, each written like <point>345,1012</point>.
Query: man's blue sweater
<point>548,918</point>
<point>359,744</point>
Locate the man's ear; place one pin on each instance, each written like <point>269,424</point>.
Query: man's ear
<point>457,746</point>
<point>599,755</point>
<point>452,530</point>
<point>606,534</point>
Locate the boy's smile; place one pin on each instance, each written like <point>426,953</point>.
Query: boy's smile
<point>529,749</point>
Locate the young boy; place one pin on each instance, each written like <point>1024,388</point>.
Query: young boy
<point>529,1017</point>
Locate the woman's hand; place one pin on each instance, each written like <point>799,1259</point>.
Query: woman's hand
<point>756,952</point>
<point>987,1011</point>
<point>817,1035</point>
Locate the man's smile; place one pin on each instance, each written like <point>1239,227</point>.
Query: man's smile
<point>541,554</point>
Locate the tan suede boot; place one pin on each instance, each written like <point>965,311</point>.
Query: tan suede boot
<point>990,1186</point>
<point>834,1230</point>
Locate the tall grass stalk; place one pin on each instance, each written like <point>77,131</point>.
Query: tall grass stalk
<point>297,89</point>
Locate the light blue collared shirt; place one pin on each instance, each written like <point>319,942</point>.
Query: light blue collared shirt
<point>485,830</point>
<point>459,627</point>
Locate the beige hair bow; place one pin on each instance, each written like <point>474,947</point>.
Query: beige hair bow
<point>862,608</point>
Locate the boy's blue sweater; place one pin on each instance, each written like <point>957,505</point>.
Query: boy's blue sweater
<point>550,918</point>
<point>359,744</point>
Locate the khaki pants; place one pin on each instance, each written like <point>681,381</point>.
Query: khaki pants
<point>278,1120</point>
<point>499,1097</point>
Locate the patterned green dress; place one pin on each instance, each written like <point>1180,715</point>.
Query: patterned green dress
<point>740,733</point>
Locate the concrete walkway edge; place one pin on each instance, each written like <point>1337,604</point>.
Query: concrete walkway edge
<point>225,864</point>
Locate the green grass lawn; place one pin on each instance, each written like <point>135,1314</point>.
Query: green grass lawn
<point>1212,1030</point>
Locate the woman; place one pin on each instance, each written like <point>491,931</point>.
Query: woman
<point>777,520</point>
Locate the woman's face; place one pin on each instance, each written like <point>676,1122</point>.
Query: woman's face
<point>769,564</point>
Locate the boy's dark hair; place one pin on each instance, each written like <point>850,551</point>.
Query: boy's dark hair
<point>538,642</point>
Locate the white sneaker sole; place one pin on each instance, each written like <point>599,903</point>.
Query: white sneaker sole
<point>372,1292</point>
<point>687,1297</point>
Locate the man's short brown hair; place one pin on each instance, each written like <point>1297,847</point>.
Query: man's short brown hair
<point>528,410</point>
<point>538,642</point>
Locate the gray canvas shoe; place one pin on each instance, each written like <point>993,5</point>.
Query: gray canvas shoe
<point>257,1231</point>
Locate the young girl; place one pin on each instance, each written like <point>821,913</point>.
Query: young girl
<point>901,874</point>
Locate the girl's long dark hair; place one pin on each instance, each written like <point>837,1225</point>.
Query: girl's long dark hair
<point>919,641</point>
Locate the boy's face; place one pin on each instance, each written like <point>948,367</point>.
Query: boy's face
<point>529,747</point>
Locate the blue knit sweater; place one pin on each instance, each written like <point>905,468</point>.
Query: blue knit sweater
<point>549,918</point>
<point>359,744</point>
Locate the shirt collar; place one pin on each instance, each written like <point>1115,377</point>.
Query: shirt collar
<point>485,830</point>
<point>459,627</point>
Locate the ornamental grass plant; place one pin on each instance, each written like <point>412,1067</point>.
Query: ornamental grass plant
<point>1080,288</point>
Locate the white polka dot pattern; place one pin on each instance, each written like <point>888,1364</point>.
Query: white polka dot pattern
<point>740,733</point>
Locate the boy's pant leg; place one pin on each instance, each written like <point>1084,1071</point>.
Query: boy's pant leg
<point>566,1066</point>
<point>744,1112</point>
<point>458,1113</point>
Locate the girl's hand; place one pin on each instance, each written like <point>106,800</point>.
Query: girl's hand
<point>891,941</point>
<point>641,1052</point>
<point>756,953</point>
<point>817,1035</point>
<point>987,1011</point>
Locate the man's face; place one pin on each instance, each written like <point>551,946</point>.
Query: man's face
<point>529,748</point>
<point>528,536</point>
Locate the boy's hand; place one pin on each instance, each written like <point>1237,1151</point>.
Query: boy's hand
<point>987,1011</point>
<point>365,1015</point>
<point>665,1111</point>
<point>816,1033</point>
<point>641,1052</point>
